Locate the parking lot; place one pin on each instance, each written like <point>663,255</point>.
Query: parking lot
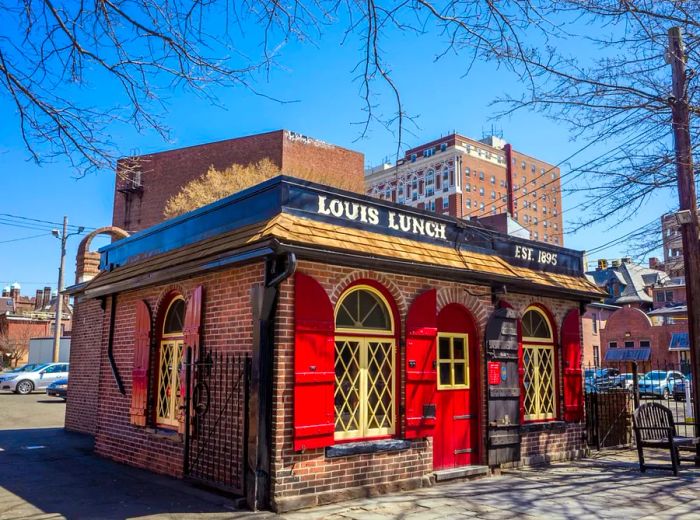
<point>36,410</point>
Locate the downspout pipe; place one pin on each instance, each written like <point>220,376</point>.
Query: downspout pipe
<point>259,446</point>
<point>110,345</point>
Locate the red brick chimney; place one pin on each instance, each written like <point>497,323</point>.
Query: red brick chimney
<point>39,300</point>
<point>47,296</point>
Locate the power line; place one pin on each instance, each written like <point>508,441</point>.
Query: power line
<point>23,238</point>
<point>620,238</point>
<point>43,221</point>
<point>566,174</point>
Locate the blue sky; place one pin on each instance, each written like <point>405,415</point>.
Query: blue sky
<point>327,106</point>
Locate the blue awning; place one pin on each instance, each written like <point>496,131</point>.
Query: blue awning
<point>679,341</point>
<point>628,354</point>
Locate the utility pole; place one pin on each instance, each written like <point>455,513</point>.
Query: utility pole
<point>59,296</point>
<point>687,215</point>
<point>63,237</point>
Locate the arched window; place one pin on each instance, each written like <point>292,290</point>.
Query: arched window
<point>538,365</point>
<point>169,358</point>
<point>365,365</point>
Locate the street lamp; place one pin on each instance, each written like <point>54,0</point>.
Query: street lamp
<point>59,298</point>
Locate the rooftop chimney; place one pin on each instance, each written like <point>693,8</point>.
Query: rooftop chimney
<point>616,263</point>
<point>39,300</point>
<point>47,296</point>
<point>653,263</point>
<point>602,264</point>
<point>626,260</point>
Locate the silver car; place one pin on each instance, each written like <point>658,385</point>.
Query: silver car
<point>37,379</point>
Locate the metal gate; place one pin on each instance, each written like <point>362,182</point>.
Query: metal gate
<point>216,409</point>
<point>609,418</point>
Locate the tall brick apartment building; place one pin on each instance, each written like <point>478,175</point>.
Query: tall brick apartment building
<point>465,178</point>
<point>300,344</point>
<point>145,183</point>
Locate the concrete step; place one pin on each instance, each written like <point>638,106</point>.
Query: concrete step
<point>463,472</point>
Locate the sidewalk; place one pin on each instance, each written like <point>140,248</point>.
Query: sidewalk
<point>50,474</point>
<point>603,486</point>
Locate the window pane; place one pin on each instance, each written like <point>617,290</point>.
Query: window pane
<point>379,385</point>
<point>444,351</point>
<point>347,386</point>
<point>175,318</point>
<point>445,374</point>
<point>363,309</point>
<point>535,326</point>
<point>458,345</point>
<point>460,374</point>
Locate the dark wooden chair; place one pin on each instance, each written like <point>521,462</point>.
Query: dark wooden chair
<point>655,427</point>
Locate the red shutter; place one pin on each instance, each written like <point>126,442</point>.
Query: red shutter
<point>421,382</point>
<point>192,336</point>
<point>314,367</point>
<point>139,371</point>
<point>571,361</point>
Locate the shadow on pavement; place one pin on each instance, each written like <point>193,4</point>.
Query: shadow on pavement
<point>51,471</point>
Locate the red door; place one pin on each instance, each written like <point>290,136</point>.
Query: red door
<point>455,442</point>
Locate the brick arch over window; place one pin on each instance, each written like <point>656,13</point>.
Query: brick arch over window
<point>87,263</point>
<point>166,295</point>
<point>353,277</point>
<point>476,307</point>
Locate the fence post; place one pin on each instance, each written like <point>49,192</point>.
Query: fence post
<point>188,397</point>
<point>635,384</point>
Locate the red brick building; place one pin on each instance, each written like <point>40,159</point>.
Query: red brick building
<point>333,346</point>
<point>144,183</point>
<point>24,317</point>
<point>459,176</point>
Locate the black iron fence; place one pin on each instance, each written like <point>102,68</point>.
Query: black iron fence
<point>216,426</point>
<point>614,390</point>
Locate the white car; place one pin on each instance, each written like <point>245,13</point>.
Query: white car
<point>37,379</point>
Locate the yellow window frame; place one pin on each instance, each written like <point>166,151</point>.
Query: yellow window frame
<point>452,361</point>
<point>540,392</point>
<point>169,372</point>
<point>382,300</point>
<point>366,413</point>
<point>170,356</point>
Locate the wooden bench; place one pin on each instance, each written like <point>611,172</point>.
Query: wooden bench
<point>655,427</point>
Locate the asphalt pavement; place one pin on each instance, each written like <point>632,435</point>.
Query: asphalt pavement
<point>47,473</point>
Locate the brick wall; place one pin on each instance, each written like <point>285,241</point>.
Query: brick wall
<point>298,479</point>
<point>226,327</point>
<point>631,324</point>
<point>89,333</point>
<point>309,478</point>
<point>164,173</point>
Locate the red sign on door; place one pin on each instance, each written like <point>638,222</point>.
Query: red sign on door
<point>494,369</point>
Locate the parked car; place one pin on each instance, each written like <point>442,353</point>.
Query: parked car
<point>607,378</point>
<point>659,383</point>
<point>58,388</point>
<point>679,390</point>
<point>625,380</point>
<point>29,367</point>
<point>36,379</point>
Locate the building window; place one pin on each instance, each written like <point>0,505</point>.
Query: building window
<point>595,323</point>
<point>612,344</point>
<point>538,365</point>
<point>645,343</point>
<point>537,235</point>
<point>493,195</point>
<point>493,210</point>
<point>482,206</point>
<point>468,203</point>
<point>523,165</point>
<point>413,157</point>
<point>481,191</point>
<point>445,202</point>
<point>467,188</point>
<point>169,359</point>
<point>481,176</point>
<point>596,356</point>
<point>364,365</point>
<point>453,361</point>
<point>467,172</point>
<point>432,205</point>
<point>493,179</point>
<point>629,344</point>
